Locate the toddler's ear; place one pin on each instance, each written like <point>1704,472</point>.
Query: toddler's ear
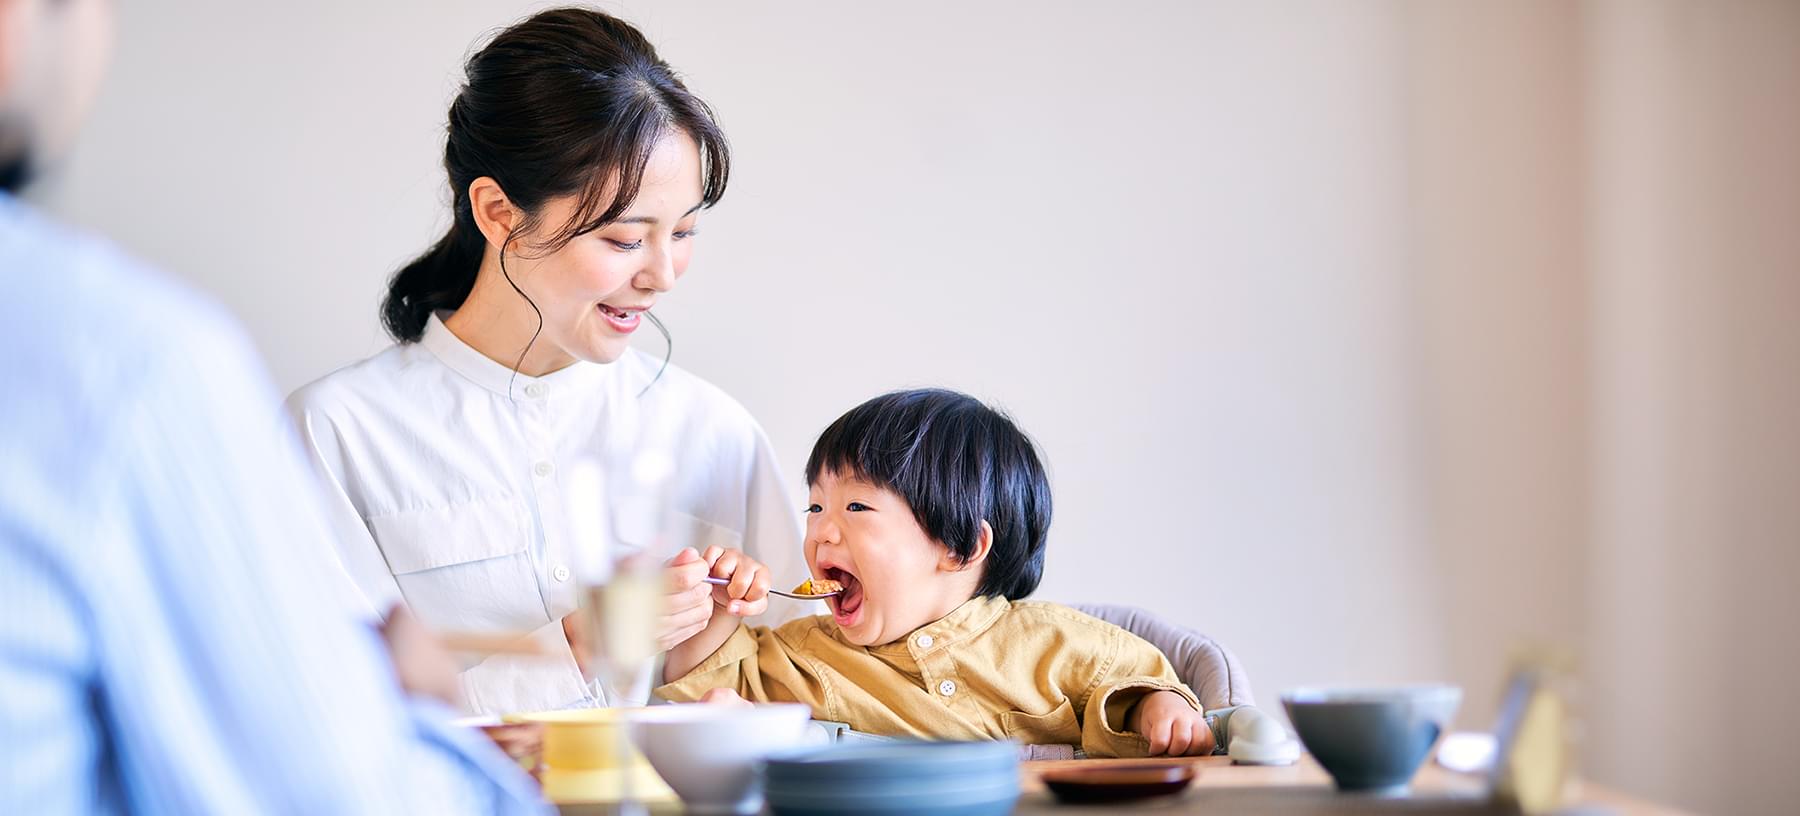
<point>984,544</point>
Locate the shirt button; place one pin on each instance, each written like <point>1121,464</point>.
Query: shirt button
<point>543,469</point>
<point>534,390</point>
<point>561,573</point>
<point>924,641</point>
<point>947,688</point>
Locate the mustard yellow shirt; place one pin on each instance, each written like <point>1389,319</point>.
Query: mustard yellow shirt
<point>1041,673</point>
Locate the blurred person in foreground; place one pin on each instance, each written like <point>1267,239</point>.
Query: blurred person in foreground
<point>168,641</point>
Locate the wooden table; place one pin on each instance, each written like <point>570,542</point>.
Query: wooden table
<point>1302,788</point>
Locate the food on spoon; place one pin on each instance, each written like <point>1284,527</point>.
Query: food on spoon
<point>818,586</point>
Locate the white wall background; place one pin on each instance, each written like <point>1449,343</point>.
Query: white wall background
<point>1298,298</point>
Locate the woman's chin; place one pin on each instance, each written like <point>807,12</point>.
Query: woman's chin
<point>604,351</point>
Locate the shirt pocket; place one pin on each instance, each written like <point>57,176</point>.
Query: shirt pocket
<point>1058,727</point>
<point>466,566</point>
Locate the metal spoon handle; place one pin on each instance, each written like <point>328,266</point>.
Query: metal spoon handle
<point>795,595</point>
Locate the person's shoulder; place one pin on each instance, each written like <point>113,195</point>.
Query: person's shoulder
<point>1048,612</point>
<point>709,408</point>
<point>81,309</point>
<point>376,379</point>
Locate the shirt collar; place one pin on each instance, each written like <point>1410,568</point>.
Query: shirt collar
<point>963,624</point>
<point>500,379</point>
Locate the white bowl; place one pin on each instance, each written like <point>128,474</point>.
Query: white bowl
<point>708,753</point>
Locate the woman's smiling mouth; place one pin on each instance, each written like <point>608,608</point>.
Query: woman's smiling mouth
<point>623,321</point>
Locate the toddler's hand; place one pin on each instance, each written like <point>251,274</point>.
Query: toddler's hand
<point>725,697</point>
<point>748,592</point>
<point>1173,727</point>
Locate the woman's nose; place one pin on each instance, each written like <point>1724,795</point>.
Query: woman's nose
<point>658,274</point>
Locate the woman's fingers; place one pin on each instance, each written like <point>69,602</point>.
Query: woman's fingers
<point>680,624</point>
<point>686,570</point>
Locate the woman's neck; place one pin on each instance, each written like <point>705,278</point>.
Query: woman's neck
<point>500,325</point>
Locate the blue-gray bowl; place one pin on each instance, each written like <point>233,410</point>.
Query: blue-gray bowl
<point>1371,740</point>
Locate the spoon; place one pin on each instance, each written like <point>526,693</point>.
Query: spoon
<point>723,581</point>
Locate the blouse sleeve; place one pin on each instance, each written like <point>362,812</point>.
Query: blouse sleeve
<point>772,532</point>
<point>367,578</point>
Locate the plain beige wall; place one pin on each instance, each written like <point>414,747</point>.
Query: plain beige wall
<point>1695,192</point>
<point>1175,250</point>
<point>1346,327</point>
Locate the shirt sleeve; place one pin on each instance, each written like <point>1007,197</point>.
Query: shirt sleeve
<point>772,531</point>
<point>362,571</point>
<point>1135,670</point>
<point>234,679</point>
<point>762,665</point>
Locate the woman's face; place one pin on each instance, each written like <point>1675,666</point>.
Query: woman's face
<point>594,290</point>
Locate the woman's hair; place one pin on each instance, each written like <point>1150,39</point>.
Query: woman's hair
<point>957,463</point>
<point>568,102</point>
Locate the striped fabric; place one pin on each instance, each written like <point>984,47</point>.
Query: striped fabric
<point>169,642</point>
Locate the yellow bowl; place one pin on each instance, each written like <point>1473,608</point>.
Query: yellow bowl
<point>581,757</point>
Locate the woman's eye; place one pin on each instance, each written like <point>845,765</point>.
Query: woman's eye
<point>857,507</point>
<point>813,508</point>
<point>627,245</point>
<point>683,235</point>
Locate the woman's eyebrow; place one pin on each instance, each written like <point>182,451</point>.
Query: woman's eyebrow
<point>651,219</point>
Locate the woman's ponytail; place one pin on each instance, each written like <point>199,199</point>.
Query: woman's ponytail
<point>439,279</point>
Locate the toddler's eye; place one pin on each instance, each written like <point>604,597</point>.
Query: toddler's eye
<point>813,508</point>
<point>857,507</point>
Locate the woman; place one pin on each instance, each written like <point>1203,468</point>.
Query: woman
<point>579,165</point>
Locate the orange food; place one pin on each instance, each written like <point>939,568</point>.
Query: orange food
<point>818,586</point>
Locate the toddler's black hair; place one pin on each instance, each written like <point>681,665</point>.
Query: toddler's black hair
<point>957,463</point>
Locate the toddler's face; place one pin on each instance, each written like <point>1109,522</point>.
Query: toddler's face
<point>896,578</point>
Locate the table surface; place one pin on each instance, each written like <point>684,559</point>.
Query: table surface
<point>1299,788</point>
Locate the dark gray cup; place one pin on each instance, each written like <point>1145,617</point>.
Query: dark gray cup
<point>1371,740</point>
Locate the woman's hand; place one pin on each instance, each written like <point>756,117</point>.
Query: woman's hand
<point>689,602</point>
<point>748,592</point>
<point>745,593</point>
<point>1173,727</point>
<point>422,664</point>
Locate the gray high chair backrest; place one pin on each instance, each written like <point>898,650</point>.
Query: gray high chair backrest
<point>1205,665</point>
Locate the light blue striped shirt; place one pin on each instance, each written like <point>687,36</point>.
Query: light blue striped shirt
<point>169,642</point>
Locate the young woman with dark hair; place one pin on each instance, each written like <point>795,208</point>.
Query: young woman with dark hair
<point>579,166</point>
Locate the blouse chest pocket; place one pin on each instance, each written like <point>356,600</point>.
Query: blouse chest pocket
<point>1058,727</point>
<point>464,566</point>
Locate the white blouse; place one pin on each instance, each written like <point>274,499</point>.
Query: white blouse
<point>447,481</point>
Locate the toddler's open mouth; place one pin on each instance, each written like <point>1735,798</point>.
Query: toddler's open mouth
<point>845,606</point>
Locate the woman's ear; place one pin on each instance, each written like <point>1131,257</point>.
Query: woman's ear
<point>494,214</point>
<point>984,544</point>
